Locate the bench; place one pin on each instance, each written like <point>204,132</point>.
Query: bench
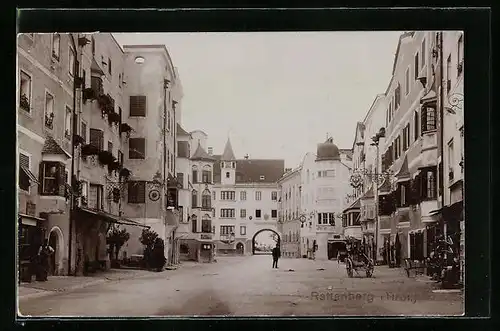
<point>418,266</point>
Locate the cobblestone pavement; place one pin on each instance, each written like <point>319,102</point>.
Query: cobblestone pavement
<point>242,286</point>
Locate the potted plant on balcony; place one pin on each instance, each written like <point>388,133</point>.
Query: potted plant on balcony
<point>113,117</point>
<point>106,103</point>
<point>125,173</point>
<point>89,149</point>
<point>106,157</point>
<point>24,103</point>
<point>125,128</point>
<point>114,166</point>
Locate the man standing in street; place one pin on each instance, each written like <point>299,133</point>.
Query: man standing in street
<point>276,256</point>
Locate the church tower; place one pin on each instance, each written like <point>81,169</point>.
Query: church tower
<point>228,165</point>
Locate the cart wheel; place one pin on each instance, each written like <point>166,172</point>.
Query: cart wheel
<point>350,272</point>
<point>369,272</point>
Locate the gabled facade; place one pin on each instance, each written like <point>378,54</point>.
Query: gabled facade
<point>289,208</point>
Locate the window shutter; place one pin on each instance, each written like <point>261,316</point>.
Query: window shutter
<point>97,139</point>
<point>137,147</point>
<point>61,179</point>
<point>398,196</point>
<point>138,105</point>
<point>423,182</point>
<point>40,177</point>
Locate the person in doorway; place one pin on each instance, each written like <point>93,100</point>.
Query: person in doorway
<point>44,253</point>
<point>276,256</point>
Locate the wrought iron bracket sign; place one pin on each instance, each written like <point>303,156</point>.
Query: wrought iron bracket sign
<point>154,195</point>
<point>358,176</point>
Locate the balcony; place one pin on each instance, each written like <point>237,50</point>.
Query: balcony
<point>429,140</point>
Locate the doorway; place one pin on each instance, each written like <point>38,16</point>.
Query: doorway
<point>53,257</point>
<point>240,249</point>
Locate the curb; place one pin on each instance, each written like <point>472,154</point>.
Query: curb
<point>70,288</point>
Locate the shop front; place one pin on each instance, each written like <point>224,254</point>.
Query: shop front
<point>30,238</point>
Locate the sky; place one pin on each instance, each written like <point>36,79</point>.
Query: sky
<point>277,94</point>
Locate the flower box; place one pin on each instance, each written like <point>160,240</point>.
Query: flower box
<point>88,150</point>
<point>114,166</point>
<point>114,118</point>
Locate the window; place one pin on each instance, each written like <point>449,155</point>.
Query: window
<point>397,97</point>
<point>67,123</point>
<point>274,213</point>
<point>428,121</point>
<point>195,175</point>
<point>180,179</point>
<point>183,149</point>
<point>206,200</point>
<point>138,105</point>
<point>226,230</point>
<point>96,200</point>
<point>460,55</point>
<point>406,137</point>
<point>93,45</point>
<point>448,74</point>
<point>228,175</point>
<point>25,92</point>
<point>424,50</point>
<point>137,148</point>
<point>243,195</point>
<point>451,159</point>
<point>206,176</point>
<point>194,224</point>
<point>415,128</point>
<point>194,199</point>
<point>431,184</point>
<point>206,224</point>
<point>110,147</point>
<point>329,173</point>
<point>136,191</point>
<point>109,65</point>
<point>214,195</point>
<point>274,196</point>
<point>49,110</point>
<point>97,139</point>
<point>228,195</point>
<point>407,81</point>
<point>83,132</point>
<point>403,195</point>
<point>331,219</point>
<point>243,230</point>
<point>258,195</point>
<point>56,46</point>
<point>243,213</point>
<point>227,213</point>
<point>258,213</point>
<point>71,62</point>
<point>416,67</point>
<point>262,177</point>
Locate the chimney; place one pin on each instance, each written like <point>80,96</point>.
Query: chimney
<point>210,151</point>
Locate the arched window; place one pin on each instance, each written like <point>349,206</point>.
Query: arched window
<point>206,200</point>
<point>195,174</point>
<point>194,199</point>
<point>206,224</point>
<point>206,175</point>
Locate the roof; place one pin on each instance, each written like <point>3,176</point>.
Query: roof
<point>52,147</point>
<point>228,154</point>
<point>250,171</point>
<point>385,187</point>
<point>181,131</point>
<point>347,152</point>
<point>200,154</point>
<point>327,151</point>
<point>396,55</point>
<point>355,205</point>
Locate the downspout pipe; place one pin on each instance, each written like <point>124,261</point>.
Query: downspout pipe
<point>74,130</point>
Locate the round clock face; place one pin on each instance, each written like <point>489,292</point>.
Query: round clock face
<point>154,195</point>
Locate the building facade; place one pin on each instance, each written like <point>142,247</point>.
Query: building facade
<point>325,183</point>
<point>245,200</point>
<point>289,212</point>
<point>83,107</point>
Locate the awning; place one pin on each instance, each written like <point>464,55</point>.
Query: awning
<point>111,218</point>
<point>30,219</point>
<point>29,174</point>
<point>451,212</point>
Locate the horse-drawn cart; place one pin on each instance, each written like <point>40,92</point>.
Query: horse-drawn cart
<point>357,260</point>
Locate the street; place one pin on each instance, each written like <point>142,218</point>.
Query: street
<point>248,285</point>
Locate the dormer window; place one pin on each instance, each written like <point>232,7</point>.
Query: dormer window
<point>262,177</point>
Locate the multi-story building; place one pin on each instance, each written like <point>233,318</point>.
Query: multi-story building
<point>410,152</point>
<point>453,139</point>
<point>153,94</point>
<point>82,103</point>
<point>324,185</point>
<point>245,200</point>
<point>289,212</point>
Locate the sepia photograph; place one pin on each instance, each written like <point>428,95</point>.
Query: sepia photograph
<point>240,174</point>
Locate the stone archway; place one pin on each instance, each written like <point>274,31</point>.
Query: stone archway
<point>56,241</point>
<point>262,230</point>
